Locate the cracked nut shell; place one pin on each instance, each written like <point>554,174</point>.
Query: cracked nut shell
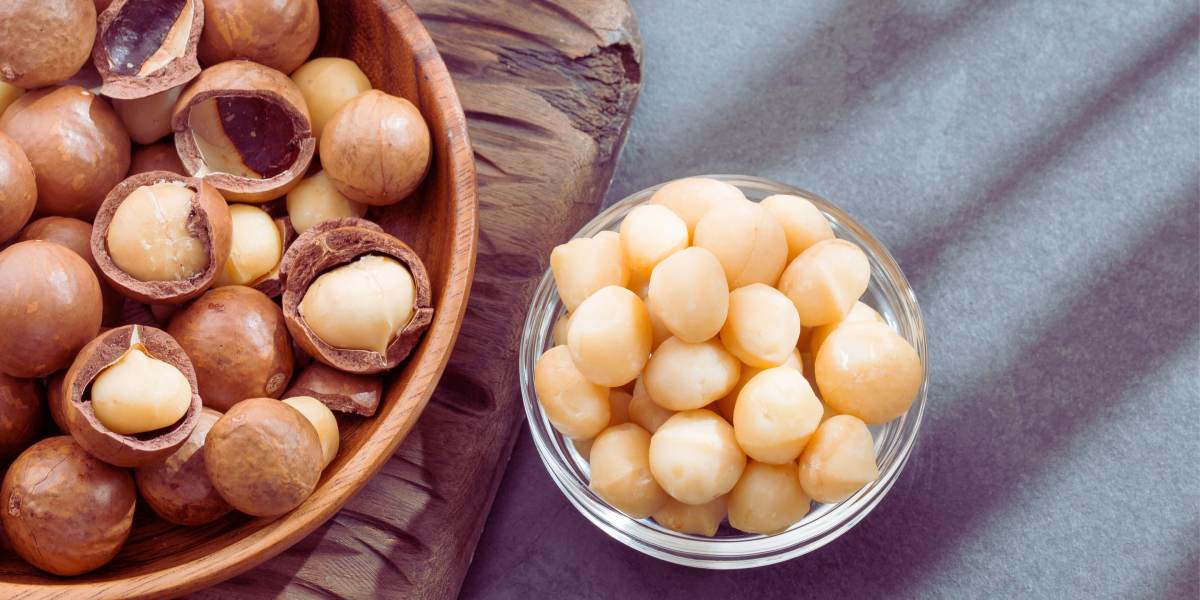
<point>340,391</point>
<point>336,243</point>
<point>178,489</point>
<point>268,144</point>
<point>238,344</point>
<point>65,511</point>
<point>81,420</point>
<point>144,47</point>
<point>208,221</point>
<point>22,412</point>
<point>44,41</point>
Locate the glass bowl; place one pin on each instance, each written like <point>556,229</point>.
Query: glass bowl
<point>889,293</point>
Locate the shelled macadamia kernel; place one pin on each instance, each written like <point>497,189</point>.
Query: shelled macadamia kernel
<point>698,519</point>
<point>826,280</point>
<point>838,460</point>
<point>692,197</point>
<point>584,265</point>
<point>745,238</point>
<point>620,471</point>
<point>695,457</point>
<point>650,233</point>
<point>576,407</point>
<point>767,499</point>
<point>683,376</point>
<point>775,414</point>
<point>610,336</point>
<point>802,222</point>
<point>256,248</point>
<point>867,370</point>
<point>763,326</point>
<point>689,294</point>
<point>646,412</point>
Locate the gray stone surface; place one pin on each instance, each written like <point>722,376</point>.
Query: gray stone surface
<point>1035,167</point>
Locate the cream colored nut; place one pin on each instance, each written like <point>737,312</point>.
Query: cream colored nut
<point>148,119</point>
<point>825,281</point>
<point>582,266</point>
<point>727,403</point>
<point>8,94</point>
<point>139,393</point>
<point>746,239</point>
<point>559,333</point>
<point>858,312</point>
<point>314,200</point>
<point>618,405</point>
<point>620,471</point>
<point>867,370</point>
<point>576,407</point>
<point>255,249</point>
<point>767,499</point>
<point>683,376</point>
<point>328,83</point>
<point>802,222</point>
<point>646,412</point>
<point>610,336</point>
<point>763,326</point>
<point>362,305</point>
<point>695,457</point>
<point>149,239</point>
<point>839,460</point>
<point>689,294</point>
<point>691,197</point>
<point>650,233</point>
<point>775,414</point>
<point>698,519</point>
<point>322,420</point>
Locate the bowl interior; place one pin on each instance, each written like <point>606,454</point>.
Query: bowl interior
<point>439,222</point>
<point>889,293</point>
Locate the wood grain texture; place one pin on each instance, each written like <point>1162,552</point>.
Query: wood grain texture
<point>385,38</point>
<point>548,88</point>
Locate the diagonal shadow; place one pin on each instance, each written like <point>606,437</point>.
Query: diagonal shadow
<point>1065,128</point>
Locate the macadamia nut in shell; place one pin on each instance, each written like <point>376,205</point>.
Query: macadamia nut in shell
<point>44,41</point>
<point>18,188</point>
<point>178,489</point>
<point>376,148</point>
<point>279,35</point>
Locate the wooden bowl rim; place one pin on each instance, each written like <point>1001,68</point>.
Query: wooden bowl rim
<point>279,534</point>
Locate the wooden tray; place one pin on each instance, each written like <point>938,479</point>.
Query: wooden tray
<point>548,88</point>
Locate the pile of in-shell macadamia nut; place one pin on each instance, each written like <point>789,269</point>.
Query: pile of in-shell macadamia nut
<point>187,235</point>
<point>716,363</point>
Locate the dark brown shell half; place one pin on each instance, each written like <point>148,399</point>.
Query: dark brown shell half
<point>134,37</point>
<point>340,391</point>
<point>331,247</point>
<point>209,221</point>
<point>85,426</point>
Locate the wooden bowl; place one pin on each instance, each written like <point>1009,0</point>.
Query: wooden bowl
<point>386,39</point>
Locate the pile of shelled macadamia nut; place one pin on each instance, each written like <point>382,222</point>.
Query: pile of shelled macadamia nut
<point>715,360</point>
<point>167,292</point>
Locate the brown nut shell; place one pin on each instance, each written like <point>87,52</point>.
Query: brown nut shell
<point>22,413</point>
<point>65,511</point>
<point>156,157</point>
<point>81,419</point>
<point>340,391</point>
<point>263,457</point>
<point>279,35</point>
<point>76,143</point>
<point>44,41</point>
<point>76,235</point>
<point>54,403</point>
<point>376,148</point>
<point>178,489</point>
<point>332,247</point>
<point>269,140</point>
<point>209,221</point>
<point>50,306</point>
<point>238,343</point>
<point>144,47</point>
<point>18,188</point>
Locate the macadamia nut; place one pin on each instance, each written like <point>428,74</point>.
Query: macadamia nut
<point>763,326</point>
<point>618,403</point>
<point>867,370</point>
<point>610,336</point>
<point>150,238</point>
<point>726,404</point>
<point>746,239</point>
<point>322,420</point>
<point>646,412</point>
<point>683,376</point>
<point>576,407</point>
<point>825,281</point>
<point>695,457</point>
<point>140,393</point>
<point>858,312</point>
<point>650,233</point>
<point>775,414</point>
<point>838,460</point>
<point>327,83</point>
<point>689,295</point>
<point>584,265</point>
<point>691,197</point>
<point>314,200</point>
<point>767,499</point>
<point>697,519</point>
<point>148,119</point>
<point>802,222</point>
<point>256,246</point>
<point>620,471</point>
<point>362,305</point>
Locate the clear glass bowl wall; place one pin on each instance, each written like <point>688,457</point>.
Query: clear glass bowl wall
<point>889,293</point>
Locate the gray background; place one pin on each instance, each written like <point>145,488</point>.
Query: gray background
<point>1035,168</point>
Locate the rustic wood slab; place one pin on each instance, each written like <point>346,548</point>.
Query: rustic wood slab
<point>548,87</point>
